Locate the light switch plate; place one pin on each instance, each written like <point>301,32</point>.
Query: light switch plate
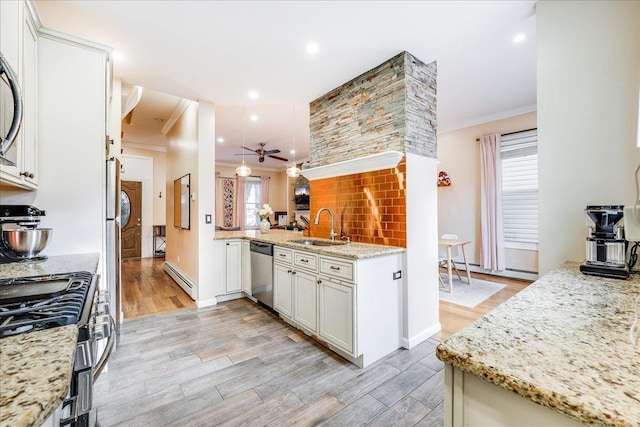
<point>207,218</point>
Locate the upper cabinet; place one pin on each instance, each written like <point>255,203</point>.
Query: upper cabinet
<point>19,45</point>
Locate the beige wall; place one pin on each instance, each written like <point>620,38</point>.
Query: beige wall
<point>159,179</point>
<point>459,204</point>
<point>588,59</point>
<point>278,186</point>
<point>182,159</point>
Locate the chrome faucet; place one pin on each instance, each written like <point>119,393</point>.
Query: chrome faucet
<point>317,221</point>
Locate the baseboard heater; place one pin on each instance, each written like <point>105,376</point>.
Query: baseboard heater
<point>183,281</point>
<point>511,273</point>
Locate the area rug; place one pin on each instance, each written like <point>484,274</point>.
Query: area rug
<point>468,295</point>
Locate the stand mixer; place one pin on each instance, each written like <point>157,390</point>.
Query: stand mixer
<point>21,240</point>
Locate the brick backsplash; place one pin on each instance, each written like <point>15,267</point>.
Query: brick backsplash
<point>369,207</point>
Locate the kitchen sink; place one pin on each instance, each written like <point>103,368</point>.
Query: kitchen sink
<point>314,242</point>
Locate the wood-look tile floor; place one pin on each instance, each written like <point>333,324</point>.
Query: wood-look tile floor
<point>238,364</point>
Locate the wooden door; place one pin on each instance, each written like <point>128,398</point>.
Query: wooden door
<point>131,235</point>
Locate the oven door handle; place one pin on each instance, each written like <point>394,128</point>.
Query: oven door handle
<point>97,370</point>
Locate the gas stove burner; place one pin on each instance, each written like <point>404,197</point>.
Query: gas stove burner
<point>54,306</point>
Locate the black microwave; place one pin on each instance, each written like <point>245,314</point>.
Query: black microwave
<point>10,109</point>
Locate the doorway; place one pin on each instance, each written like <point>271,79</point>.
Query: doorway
<point>131,203</point>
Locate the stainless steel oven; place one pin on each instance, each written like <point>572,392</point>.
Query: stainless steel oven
<point>41,302</point>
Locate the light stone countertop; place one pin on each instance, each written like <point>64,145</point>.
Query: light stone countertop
<point>563,342</point>
<point>353,250</point>
<point>35,367</point>
<point>57,264</point>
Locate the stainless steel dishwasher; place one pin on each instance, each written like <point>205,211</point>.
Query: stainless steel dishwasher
<point>262,272</point>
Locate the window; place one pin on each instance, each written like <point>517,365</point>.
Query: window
<point>519,157</point>
<point>252,197</point>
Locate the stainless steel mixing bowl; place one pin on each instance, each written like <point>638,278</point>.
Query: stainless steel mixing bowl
<point>26,242</point>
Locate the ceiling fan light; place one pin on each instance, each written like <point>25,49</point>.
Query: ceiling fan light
<point>243,170</point>
<point>293,171</point>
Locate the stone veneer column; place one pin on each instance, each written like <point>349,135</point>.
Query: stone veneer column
<point>391,107</point>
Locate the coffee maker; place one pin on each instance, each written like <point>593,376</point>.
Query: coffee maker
<point>21,239</point>
<point>606,245</point>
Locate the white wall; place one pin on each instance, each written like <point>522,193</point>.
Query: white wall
<point>459,204</point>
<point>206,203</point>
<point>421,284</point>
<point>159,156</point>
<point>71,138</point>
<point>140,169</point>
<point>588,60</point>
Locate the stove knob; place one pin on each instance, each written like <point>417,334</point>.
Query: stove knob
<point>103,297</point>
<point>102,327</point>
<point>102,309</point>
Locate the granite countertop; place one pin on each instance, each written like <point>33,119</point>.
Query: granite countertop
<point>57,264</point>
<point>563,343</point>
<point>35,367</point>
<point>353,250</point>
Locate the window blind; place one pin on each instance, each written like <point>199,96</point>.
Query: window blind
<point>519,158</point>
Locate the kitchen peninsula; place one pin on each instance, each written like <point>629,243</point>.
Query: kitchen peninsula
<point>345,295</point>
<point>557,353</point>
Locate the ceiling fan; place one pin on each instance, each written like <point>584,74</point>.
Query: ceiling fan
<point>262,153</point>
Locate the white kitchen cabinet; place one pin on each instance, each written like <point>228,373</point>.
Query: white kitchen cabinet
<point>305,294</point>
<point>337,309</point>
<point>354,306</point>
<point>282,290</point>
<point>245,267</point>
<point>19,44</point>
<point>233,266</point>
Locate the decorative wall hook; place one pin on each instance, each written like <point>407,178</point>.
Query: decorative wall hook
<point>443,179</point>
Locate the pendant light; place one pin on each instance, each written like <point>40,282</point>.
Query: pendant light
<point>293,171</point>
<point>243,170</point>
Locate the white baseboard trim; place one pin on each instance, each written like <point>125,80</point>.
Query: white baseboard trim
<point>206,303</point>
<point>422,336</point>
<point>181,279</point>
<point>229,297</point>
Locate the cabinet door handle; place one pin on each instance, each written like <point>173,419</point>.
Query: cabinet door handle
<point>304,260</point>
<point>335,268</point>
<point>293,272</point>
<point>280,255</point>
<point>26,174</point>
<point>319,281</point>
<point>289,271</point>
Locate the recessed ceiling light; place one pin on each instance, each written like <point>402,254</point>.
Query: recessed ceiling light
<point>519,38</point>
<point>254,118</point>
<point>158,119</point>
<point>253,94</point>
<point>117,55</point>
<point>292,151</point>
<point>312,48</point>
<point>220,139</point>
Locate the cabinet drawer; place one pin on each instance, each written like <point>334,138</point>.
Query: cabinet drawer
<point>305,260</point>
<point>338,269</point>
<point>282,255</point>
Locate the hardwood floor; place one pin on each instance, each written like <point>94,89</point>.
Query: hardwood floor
<point>148,289</point>
<point>237,363</point>
<point>455,317</point>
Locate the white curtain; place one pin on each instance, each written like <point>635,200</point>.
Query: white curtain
<point>240,208</point>
<point>264,190</point>
<point>491,223</point>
